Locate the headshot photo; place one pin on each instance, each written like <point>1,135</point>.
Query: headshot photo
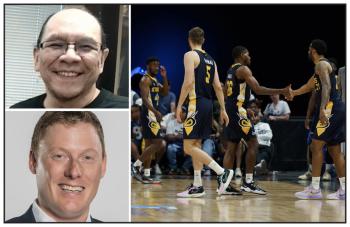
<point>66,166</point>
<point>66,56</point>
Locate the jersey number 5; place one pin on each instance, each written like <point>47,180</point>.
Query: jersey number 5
<point>207,78</point>
<point>229,87</point>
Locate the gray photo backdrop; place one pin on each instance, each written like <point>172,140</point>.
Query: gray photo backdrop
<point>111,203</point>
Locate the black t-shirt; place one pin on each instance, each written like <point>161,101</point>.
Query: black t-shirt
<point>105,99</point>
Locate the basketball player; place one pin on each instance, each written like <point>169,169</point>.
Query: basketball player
<point>239,83</point>
<point>150,118</point>
<point>201,76</point>
<point>330,118</point>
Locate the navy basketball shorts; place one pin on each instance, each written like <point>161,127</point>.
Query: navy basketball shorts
<point>198,123</point>
<point>150,126</point>
<point>334,132</point>
<point>239,126</point>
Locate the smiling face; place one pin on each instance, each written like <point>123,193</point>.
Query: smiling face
<point>68,168</point>
<point>70,75</point>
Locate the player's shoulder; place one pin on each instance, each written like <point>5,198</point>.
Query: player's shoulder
<point>243,69</point>
<point>191,53</point>
<point>323,64</point>
<point>145,79</point>
<point>192,56</point>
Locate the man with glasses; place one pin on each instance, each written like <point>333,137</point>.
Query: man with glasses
<point>70,55</point>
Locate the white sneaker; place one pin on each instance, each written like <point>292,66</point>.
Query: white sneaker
<point>157,170</point>
<point>238,172</point>
<point>326,176</point>
<point>261,168</point>
<point>305,176</point>
<point>338,195</point>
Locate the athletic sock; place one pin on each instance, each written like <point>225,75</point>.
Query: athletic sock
<point>137,163</point>
<point>147,172</point>
<point>197,182</point>
<point>216,167</point>
<point>248,178</point>
<point>342,183</point>
<point>316,182</point>
<point>232,170</point>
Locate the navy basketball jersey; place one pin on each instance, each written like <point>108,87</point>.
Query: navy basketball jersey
<point>335,94</point>
<point>333,131</point>
<point>238,92</point>
<point>204,76</point>
<point>151,128</point>
<point>199,111</point>
<point>153,95</point>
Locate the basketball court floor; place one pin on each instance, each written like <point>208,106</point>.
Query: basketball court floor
<point>158,203</point>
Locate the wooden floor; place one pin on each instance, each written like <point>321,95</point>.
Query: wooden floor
<point>158,203</point>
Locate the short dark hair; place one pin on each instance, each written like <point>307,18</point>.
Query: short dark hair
<point>255,101</point>
<point>196,35</point>
<point>103,34</point>
<point>237,51</point>
<point>50,118</point>
<point>152,59</point>
<point>136,106</point>
<point>319,45</point>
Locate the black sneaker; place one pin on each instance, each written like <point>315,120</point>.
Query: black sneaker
<point>231,191</point>
<point>135,172</point>
<point>149,180</point>
<point>224,180</point>
<point>192,192</point>
<point>252,187</point>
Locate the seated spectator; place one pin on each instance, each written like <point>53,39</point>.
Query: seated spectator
<point>136,132</point>
<point>277,110</point>
<point>174,138</point>
<point>264,136</point>
<point>133,97</point>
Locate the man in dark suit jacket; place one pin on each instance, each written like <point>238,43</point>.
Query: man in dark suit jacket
<point>68,157</point>
<point>28,217</point>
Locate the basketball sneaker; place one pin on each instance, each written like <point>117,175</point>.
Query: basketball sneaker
<point>305,176</point>
<point>135,172</point>
<point>157,170</point>
<point>309,193</point>
<point>149,180</point>
<point>252,187</point>
<point>339,195</point>
<point>230,191</point>
<point>326,176</point>
<point>192,192</point>
<point>224,180</point>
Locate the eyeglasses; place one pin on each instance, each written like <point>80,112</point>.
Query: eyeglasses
<point>60,47</point>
